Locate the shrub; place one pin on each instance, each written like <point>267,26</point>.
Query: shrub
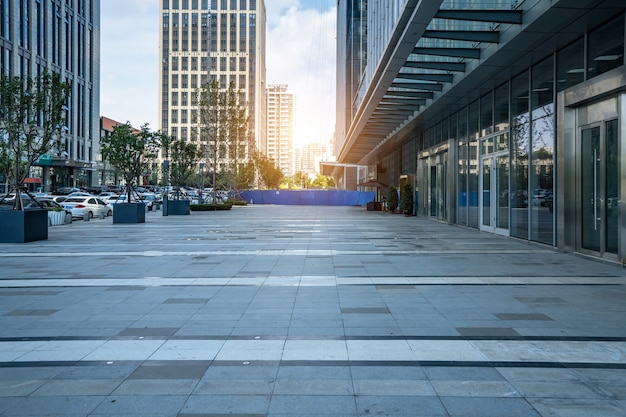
<point>210,207</point>
<point>406,202</point>
<point>392,198</point>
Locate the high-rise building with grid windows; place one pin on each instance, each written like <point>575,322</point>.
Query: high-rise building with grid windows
<point>211,40</point>
<point>63,37</point>
<point>280,127</point>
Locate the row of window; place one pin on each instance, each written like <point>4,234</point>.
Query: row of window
<point>574,64</point>
<point>518,119</point>
<point>226,64</point>
<point>52,43</point>
<point>204,4</point>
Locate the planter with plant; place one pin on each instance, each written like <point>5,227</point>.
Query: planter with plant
<point>406,200</point>
<point>130,151</point>
<point>184,157</point>
<point>32,120</point>
<point>392,199</point>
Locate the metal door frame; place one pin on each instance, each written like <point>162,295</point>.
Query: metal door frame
<point>601,124</point>
<point>493,196</point>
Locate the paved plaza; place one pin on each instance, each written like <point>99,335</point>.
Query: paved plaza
<point>292,311</point>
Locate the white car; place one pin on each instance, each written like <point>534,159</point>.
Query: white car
<point>91,206</point>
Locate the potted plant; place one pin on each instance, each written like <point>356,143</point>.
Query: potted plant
<point>392,198</point>
<point>184,157</point>
<point>130,151</point>
<point>32,120</point>
<point>406,200</point>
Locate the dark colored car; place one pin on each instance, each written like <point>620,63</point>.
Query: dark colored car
<point>65,190</point>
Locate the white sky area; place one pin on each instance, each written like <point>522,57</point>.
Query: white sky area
<point>300,53</point>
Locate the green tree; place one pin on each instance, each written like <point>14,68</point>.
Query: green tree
<point>32,120</point>
<point>184,159</point>
<point>301,179</point>
<point>130,152</point>
<point>223,130</point>
<point>322,181</point>
<point>269,172</point>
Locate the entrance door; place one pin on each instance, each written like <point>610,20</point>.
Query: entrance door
<point>437,172</point>
<point>442,189</point>
<point>494,193</point>
<point>599,189</point>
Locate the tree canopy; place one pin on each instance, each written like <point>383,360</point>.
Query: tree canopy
<point>130,152</point>
<point>184,157</point>
<point>32,123</point>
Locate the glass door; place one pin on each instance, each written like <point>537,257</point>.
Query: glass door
<point>494,194</point>
<point>442,187</point>
<point>599,189</point>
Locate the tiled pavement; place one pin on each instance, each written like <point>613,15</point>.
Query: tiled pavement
<point>306,311</point>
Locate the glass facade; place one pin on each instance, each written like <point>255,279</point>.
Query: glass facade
<point>518,118</point>
<point>59,36</point>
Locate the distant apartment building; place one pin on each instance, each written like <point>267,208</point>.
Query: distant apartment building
<point>310,157</point>
<point>280,127</point>
<point>63,37</point>
<point>210,40</point>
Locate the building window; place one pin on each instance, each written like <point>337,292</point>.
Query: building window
<point>606,47</point>
<point>570,65</point>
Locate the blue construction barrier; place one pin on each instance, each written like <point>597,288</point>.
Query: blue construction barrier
<point>309,197</point>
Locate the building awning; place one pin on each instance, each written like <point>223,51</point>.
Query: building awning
<point>428,67</point>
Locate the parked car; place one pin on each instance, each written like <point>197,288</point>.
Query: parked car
<point>152,200</point>
<point>50,204</point>
<point>7,200</point>
<point>91,206</point>
<point>64,190</point>
<point>79,194</point>
<point>58,198</point>
<point>121,199</point>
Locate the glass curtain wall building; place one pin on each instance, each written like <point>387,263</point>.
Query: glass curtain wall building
<point>63,37</point>
<point>506,116</point>
<point>210,40</point>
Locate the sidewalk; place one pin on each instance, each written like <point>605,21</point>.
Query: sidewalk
<point>286,311</point>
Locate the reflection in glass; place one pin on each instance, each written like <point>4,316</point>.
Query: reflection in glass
<point>520,148</point>
<point>473,117</point>
<point>606,47</point>
<point>542,139</point>
<point>463,196</point>
<point>502,197</point>
<point>501,110</point>
<point>590,184</point>
<point>473,184</point>
<point>486,114</point>
<point>486,190</point>
<point>612,186</point>
<point>570,63</point>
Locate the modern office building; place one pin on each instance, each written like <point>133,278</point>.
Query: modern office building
<point>63,37</point>
<point>506,116</point>
<point>280,127</point>
<point>311,154</point>
<point>206,40</point>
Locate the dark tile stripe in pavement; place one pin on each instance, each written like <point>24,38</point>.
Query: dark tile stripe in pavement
<point>302,311</point>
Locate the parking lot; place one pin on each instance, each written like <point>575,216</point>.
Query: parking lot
<point>305,311</point>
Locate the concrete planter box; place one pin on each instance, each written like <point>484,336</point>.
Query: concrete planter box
<point>129,213</point>
<point>23,226</point>
<point>178,207</point>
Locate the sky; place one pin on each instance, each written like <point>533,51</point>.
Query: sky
<point>300,53</point>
